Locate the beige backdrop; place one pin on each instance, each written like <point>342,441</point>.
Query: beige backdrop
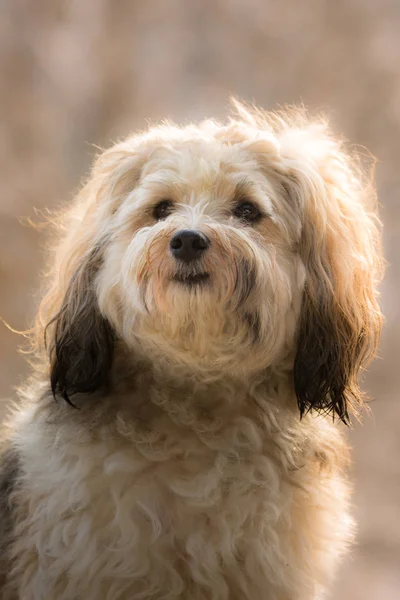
<point>77,73</point>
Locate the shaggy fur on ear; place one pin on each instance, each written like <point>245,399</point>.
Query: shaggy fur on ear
<point>77,337</point>
<point>324,360</point>
<point>83,340</point>
<point>341,321</point>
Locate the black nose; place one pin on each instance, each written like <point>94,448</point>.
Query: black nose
<point>189,245</point>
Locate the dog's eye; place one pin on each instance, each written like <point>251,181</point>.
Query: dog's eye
<point>247,212</point>
<point>162,210</point>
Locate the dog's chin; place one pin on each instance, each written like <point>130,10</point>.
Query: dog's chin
<point>191,280</point>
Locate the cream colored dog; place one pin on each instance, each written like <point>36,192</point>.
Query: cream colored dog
<point>212,303</point>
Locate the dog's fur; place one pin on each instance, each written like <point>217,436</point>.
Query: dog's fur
<point>199,459</point>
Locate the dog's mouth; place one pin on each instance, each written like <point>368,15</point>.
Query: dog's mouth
<point>191,279</point>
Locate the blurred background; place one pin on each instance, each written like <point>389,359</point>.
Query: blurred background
<point>78,73</point>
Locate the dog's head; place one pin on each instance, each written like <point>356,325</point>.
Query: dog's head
<point>226,249</point>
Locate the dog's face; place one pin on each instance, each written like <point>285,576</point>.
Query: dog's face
<point>203,258</point>
<point>228,250</point>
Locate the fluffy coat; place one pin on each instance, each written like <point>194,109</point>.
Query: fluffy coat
<point>191,451</point>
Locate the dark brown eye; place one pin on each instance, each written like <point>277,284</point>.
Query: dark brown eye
<point>162,210</point>
<point>247,212</point>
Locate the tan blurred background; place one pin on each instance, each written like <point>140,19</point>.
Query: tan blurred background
<point>77,73</point>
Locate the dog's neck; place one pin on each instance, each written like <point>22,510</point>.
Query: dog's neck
<point>210,395</point>
<point>144,392</point>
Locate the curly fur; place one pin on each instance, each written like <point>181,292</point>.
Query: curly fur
<point>186,470</point>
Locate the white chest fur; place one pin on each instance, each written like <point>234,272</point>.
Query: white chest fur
<point>179,517</point>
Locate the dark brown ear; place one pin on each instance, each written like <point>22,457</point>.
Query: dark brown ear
<point>83,341</point>
<point>79,338</point>
<point>341,320</point>
<point>329,355</point>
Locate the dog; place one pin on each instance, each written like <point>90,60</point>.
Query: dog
<point>211,304</point>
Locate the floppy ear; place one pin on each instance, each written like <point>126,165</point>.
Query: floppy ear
<point>82,349</point>
<point>340,248</point>
<point>329,355</point>
<point>77,337</point>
